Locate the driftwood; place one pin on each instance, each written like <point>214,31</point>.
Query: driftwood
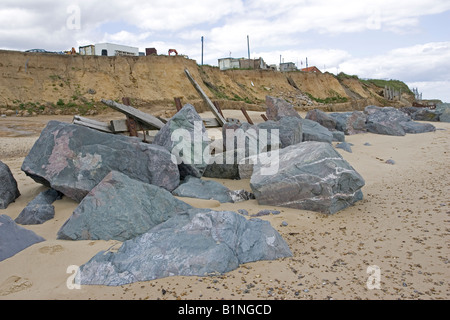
<point>220,119</point>
<point>141,117</point>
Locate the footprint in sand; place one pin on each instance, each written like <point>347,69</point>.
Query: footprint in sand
<point>51,250</point>
<point>14,284</point>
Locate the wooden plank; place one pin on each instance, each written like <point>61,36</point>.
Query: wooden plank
<point>93,124</point>
<point>142,117</point>
<point>209,103</point>
<point>211,122</point>
<point>120,126</point>
<point>249,120</point>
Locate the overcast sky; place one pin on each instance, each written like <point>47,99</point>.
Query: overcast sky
<point>408,40</point>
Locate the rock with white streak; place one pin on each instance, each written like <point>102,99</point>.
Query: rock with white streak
<point>311,176</point>
<point>198,242</point>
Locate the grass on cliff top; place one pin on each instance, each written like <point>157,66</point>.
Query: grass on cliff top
<point>395,84</point>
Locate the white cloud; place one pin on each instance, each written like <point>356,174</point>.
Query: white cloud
<point>424,62</point>
<point>433,89</point>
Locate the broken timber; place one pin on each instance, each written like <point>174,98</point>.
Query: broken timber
<point>220,119</point>
<point>141,117</point>
<point>93,124</point>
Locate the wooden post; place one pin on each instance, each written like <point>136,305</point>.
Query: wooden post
<point>249,120</point>
<point>178,104</point>
<point>216,104</point>
<point>213,108</point>
<point>264,117</point>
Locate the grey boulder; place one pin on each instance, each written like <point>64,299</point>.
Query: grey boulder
<point>310,176</point>
<point>9,191</point>
<point>73,159</point>
<point>288,130</point>
<point>40,209</point>
<point>417,127</point>
<point>350,122</point>
<point>193,187</point>
<point>120,208</point>
<point>338,136</point>
<point>278,108</point>
<point>225,165</point>
<point>445,115</point>
<point>14,238</point>
<point>386,120</point>
<point>344,146</point>
<point>313,131</point>
<point>424,114</point>
<point>199,242</point>
<point>185,137</point>
<point>322,118</point>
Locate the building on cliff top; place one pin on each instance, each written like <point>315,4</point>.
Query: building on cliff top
<point>311,69</point>
<point>242,63</point>
<point>108,49</point>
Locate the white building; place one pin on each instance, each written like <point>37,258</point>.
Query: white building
<point>229,63</point>
<point>109,49</point>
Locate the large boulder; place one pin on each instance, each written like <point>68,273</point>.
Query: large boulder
<point>199,242</point>
<point>14,238</point>
<point>265,136</point>
<point>313,131</point>
<point>278,108</point>
<point>445,115</point>
<point>225,165</point>
<point>9,191</point>
<point>185,137</point>
<point>40,209</point>
<point>321,117</point>
<point>120,208</point>
<point>425,114</point>
<point>417,127</point>
<point>386,120</point>
<point>350,122</point>
<point>193,187</point>
<point>311,176</point>
<point>289,131</point>
<point>73,159</point>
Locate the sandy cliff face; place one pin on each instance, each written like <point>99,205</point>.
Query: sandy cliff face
<point>153,82</point>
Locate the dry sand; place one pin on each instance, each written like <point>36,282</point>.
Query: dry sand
<point>401,226</point>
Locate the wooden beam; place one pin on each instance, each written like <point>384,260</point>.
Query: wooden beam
<point>120,126</point>
<point>216,104</point>
<point>93,124</point>
<point>142,117</point>
<point>249,120</point>
<point>264,117</point>
<point>209,103</point>
<point>178,104</point>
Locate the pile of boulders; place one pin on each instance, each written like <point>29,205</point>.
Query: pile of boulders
<point>133,192</point>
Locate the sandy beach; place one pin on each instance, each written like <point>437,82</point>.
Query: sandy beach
<point>401,226</point>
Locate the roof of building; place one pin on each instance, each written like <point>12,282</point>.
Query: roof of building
<point>311,69</point>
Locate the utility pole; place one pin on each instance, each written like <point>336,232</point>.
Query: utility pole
<point>202,50</point>
<point>248,47</point>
